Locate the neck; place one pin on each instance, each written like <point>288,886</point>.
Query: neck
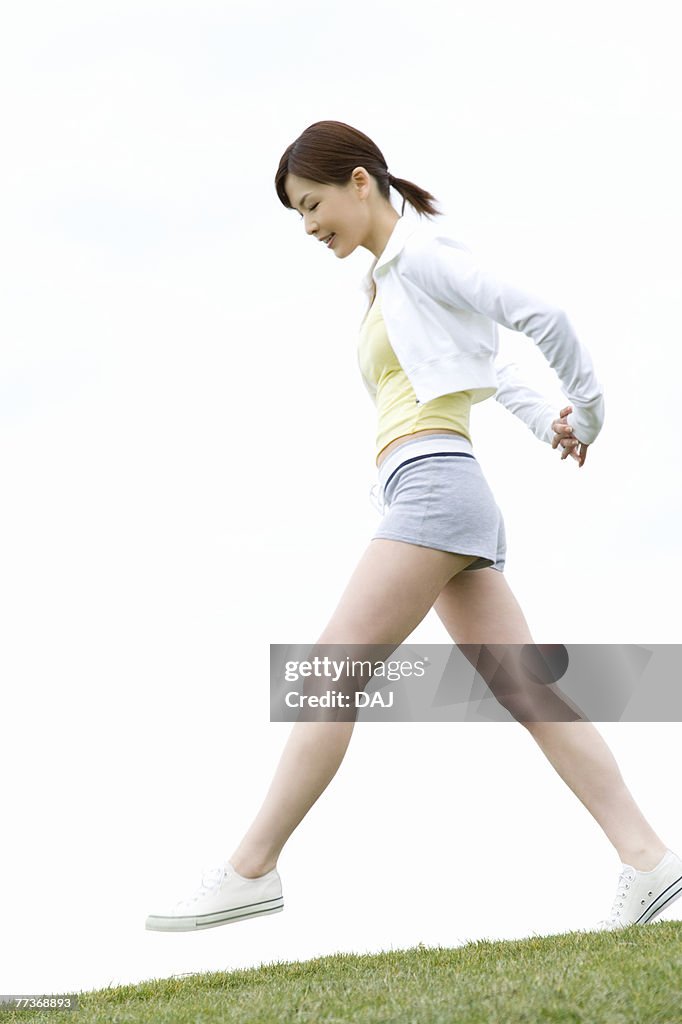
<point>381,231</point>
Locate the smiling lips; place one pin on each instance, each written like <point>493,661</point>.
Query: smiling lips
<point>329,238</point>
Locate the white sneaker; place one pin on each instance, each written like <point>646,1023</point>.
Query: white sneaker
<point>224,896</point>
<point>642,895</point>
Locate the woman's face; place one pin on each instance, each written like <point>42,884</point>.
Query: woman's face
<point>341,210</point>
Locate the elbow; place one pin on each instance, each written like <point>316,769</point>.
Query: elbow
<point>558,319</point>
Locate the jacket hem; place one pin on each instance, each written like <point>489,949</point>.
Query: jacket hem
<point>442,377</point>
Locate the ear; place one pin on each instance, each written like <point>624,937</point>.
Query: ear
<point>361,180</point>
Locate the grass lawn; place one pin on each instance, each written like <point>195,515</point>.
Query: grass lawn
<point>597,978</point>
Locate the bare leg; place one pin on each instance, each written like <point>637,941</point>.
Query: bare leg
<point>479,607</point>
<point>392,588</point>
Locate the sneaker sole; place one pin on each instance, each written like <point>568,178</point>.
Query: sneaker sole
<point>158,923</point>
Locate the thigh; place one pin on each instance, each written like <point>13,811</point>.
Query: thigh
<point>390,591</point>
<point>479,607</point>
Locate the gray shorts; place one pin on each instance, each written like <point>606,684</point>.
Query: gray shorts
<point>432,492</point>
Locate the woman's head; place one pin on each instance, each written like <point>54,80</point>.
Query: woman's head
<point>337,179</point>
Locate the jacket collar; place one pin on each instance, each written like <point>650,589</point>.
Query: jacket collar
<point>402,230</point>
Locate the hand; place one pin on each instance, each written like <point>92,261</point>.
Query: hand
<point>563,435</point>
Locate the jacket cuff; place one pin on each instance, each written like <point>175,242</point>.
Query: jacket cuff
<point>587,419</point>
<point>543,424</point>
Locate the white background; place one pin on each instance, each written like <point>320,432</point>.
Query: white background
<point>187,448</point>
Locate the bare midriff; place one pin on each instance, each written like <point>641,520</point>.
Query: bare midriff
<point>396,443</point>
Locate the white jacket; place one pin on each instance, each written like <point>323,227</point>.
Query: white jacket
<point>441,311</point>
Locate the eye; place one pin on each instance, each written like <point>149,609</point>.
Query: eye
<point>310,210</point>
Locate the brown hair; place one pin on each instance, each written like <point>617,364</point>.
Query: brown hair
<point>329,151</point>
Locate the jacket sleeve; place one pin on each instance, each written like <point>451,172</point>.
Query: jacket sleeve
<point>524,402</point>
<point>450,273</point>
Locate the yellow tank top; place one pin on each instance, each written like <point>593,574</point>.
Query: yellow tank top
<point>398,410</point>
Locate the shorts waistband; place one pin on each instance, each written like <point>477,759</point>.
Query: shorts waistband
<point>431,445</point>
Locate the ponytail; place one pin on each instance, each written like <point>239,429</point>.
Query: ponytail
<point>419,198</point>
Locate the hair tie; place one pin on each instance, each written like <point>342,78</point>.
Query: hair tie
<point>390,176</point>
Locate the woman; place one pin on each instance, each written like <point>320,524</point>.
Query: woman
<point>441,543</point>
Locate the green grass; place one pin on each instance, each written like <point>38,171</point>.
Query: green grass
<point>596,978</point>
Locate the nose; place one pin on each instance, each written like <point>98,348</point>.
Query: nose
<point>311,227</point>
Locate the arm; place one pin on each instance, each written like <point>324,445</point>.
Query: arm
<point>451,274</point>
<point>524,402</point>
<point>538,414</point>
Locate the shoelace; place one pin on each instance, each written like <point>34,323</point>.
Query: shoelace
<point>624,880</point>
<point>211,880</point>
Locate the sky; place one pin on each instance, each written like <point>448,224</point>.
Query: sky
<point>187,450</point>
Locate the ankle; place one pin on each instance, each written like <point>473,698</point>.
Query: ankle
<point>644,858</point>
<point>249,867</point>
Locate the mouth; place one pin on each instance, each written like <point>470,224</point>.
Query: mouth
<point>329,240</point>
